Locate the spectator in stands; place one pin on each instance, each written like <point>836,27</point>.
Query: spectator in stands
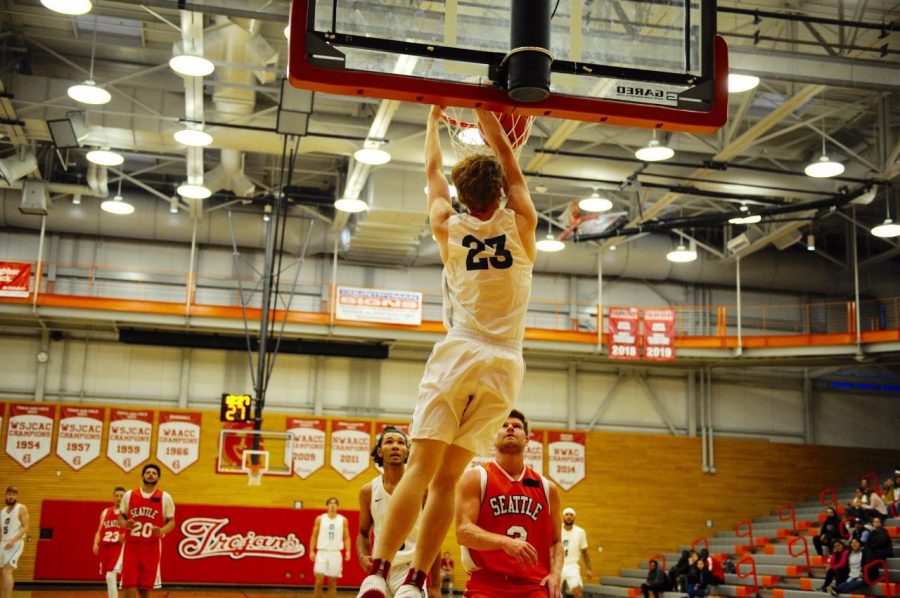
<point>879,543</point>
<point>857,560</point>
<point>838,569</point>
<point>876,506</point>
<point>828,532</point>
<point>859,531</point>
<point>856,507</point>
<point>679,571</point>
<point>714,567</point>
<point>656,581</point>
<point>700,580</point>
<point>684,580</point>
<point>891,495</point>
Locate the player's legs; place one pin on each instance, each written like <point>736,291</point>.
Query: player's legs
<point>112,584</point>
<point>317,587</point>
<point>440,508</point>
<point>434,578</point>
<point>332,587</point>
<point>8,582</point>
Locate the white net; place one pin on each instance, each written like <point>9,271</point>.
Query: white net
<point>255,464</point>
<point>466,137</point>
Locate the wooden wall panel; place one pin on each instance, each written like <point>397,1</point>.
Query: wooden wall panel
<point>643,493</point>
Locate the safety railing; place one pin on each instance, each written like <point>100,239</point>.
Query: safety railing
<point>744,529</point>
<point>750,562</point>
<point>880,565</point>
<point>828,498</point>
<point>803,551</point>
<point>787,512</point>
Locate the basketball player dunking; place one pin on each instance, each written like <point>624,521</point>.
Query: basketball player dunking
<point>108,543</point>
<point>508,523</point>
<point>330,535</point>
<point>473,376</point>
<point>148,514</point>
<point>14,518</point>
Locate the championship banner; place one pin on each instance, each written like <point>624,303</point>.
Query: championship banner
<point>178,439</point>
<point>80,434</point>
<point>377,305</point>
<point>534,451</point>
<point>211,544</point>
<point>380,426</point>
<point>29,433</point>
<point>659,335</point>
<point>623,333</point>
<point>14,279</point>
<point>129,437</point>
<point>309,445</point>
<point>350,446</point>
<point>566,458</point>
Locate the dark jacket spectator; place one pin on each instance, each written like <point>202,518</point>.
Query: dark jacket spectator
<point>656,581</point>
<point>829,531</point>
<point>714,567</point>
<point>838,569</point>
<point>678,572</point>
<point>700,580</point>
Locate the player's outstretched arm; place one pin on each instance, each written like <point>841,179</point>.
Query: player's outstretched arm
<point>470,535</point>
<point>439,207</point>
<point>363,541</point>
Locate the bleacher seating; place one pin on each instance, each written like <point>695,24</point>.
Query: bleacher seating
<point>778,573</point>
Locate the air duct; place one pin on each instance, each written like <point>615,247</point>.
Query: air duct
<point>14,168</point>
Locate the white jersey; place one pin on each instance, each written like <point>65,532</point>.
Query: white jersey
<point>12,525</point>
<point>331,532</point>
<point>378,506</point>
<point>487,276</point>
<point>574,541</point>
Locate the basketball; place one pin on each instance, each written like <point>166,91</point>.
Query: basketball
<point>514,125</point>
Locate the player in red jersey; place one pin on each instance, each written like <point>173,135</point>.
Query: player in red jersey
<point>148,514</point>
<point>108,543</point>
<point>508,523</point>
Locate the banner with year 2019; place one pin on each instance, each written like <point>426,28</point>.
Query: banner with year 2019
<point>350,446</point>
<point>80,434</point>
<point>659,334</point>
<point>308,444</point>
<point>624,335</point>
<point>178,439</point>
<point>130,432</point>
<point>29,433</point>
<point>567,456</point>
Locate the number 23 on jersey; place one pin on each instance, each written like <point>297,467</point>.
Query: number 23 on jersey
<point>501,260</point>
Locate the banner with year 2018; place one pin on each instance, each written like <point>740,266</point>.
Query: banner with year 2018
<point>308,445</point>
<point>624,335</point>
<point>567,456</point>
<point>29,433</point>
<point>659,334</point>
<point>80,434</point>
<point>178,439</point>
<point>350,446</point>
<point>130,432</point>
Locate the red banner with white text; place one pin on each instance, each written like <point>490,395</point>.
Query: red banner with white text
<point>14,279</point>
<point>623,333</point>
<point>567,456</point>
<point>659,335</point>
<point>79,436</point>
<point>29,432</point>
<point>308,445</point>
<point>211,544</point>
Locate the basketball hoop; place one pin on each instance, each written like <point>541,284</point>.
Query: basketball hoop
<point>467,139</point>
<point>255,464</point>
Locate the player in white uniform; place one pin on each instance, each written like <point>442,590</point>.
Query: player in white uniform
<point>330,535</point>
<point>14,518</point>
<point>575,546</point>
<point>473,376</point>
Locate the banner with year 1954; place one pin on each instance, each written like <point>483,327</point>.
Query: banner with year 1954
<point>29,433</point>
<point>80,434</point>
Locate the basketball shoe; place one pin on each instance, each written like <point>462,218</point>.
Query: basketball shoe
<point>373,586</point>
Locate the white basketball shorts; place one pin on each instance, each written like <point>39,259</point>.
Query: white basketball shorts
<point>10,558</point>
<point>329,563</point>
<point>470,384</point>
<point>571,573</point>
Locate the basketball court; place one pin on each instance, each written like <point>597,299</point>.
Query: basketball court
<point>713,341</point>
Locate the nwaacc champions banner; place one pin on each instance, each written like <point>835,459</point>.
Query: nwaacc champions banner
<point>308,445</point>
<point>211,544</point>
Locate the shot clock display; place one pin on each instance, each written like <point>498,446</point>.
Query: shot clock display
<point>236,408</point>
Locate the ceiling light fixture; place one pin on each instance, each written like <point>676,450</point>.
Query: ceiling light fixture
<point>353,206</point>
<point>192,65</point>
<point>470,136</point>
<point>741,83</point>
<point>193,191</point>
<point>371,154</point>
<point>595,203</point>
<point>193,137</point>
<point>173,204</point>
<point>117,205</point>
<point>810,242</point>
<point>752,219</point>
<point>655,151</point>
<point>68,7</point>
<point>682,254</point>
<point>887,229</point>
<point>550,244</point>
<point>824,167</point>
<point>287,31</point>
<point>105,157</point>
<point>87,91</point>
<point>76,199</point>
